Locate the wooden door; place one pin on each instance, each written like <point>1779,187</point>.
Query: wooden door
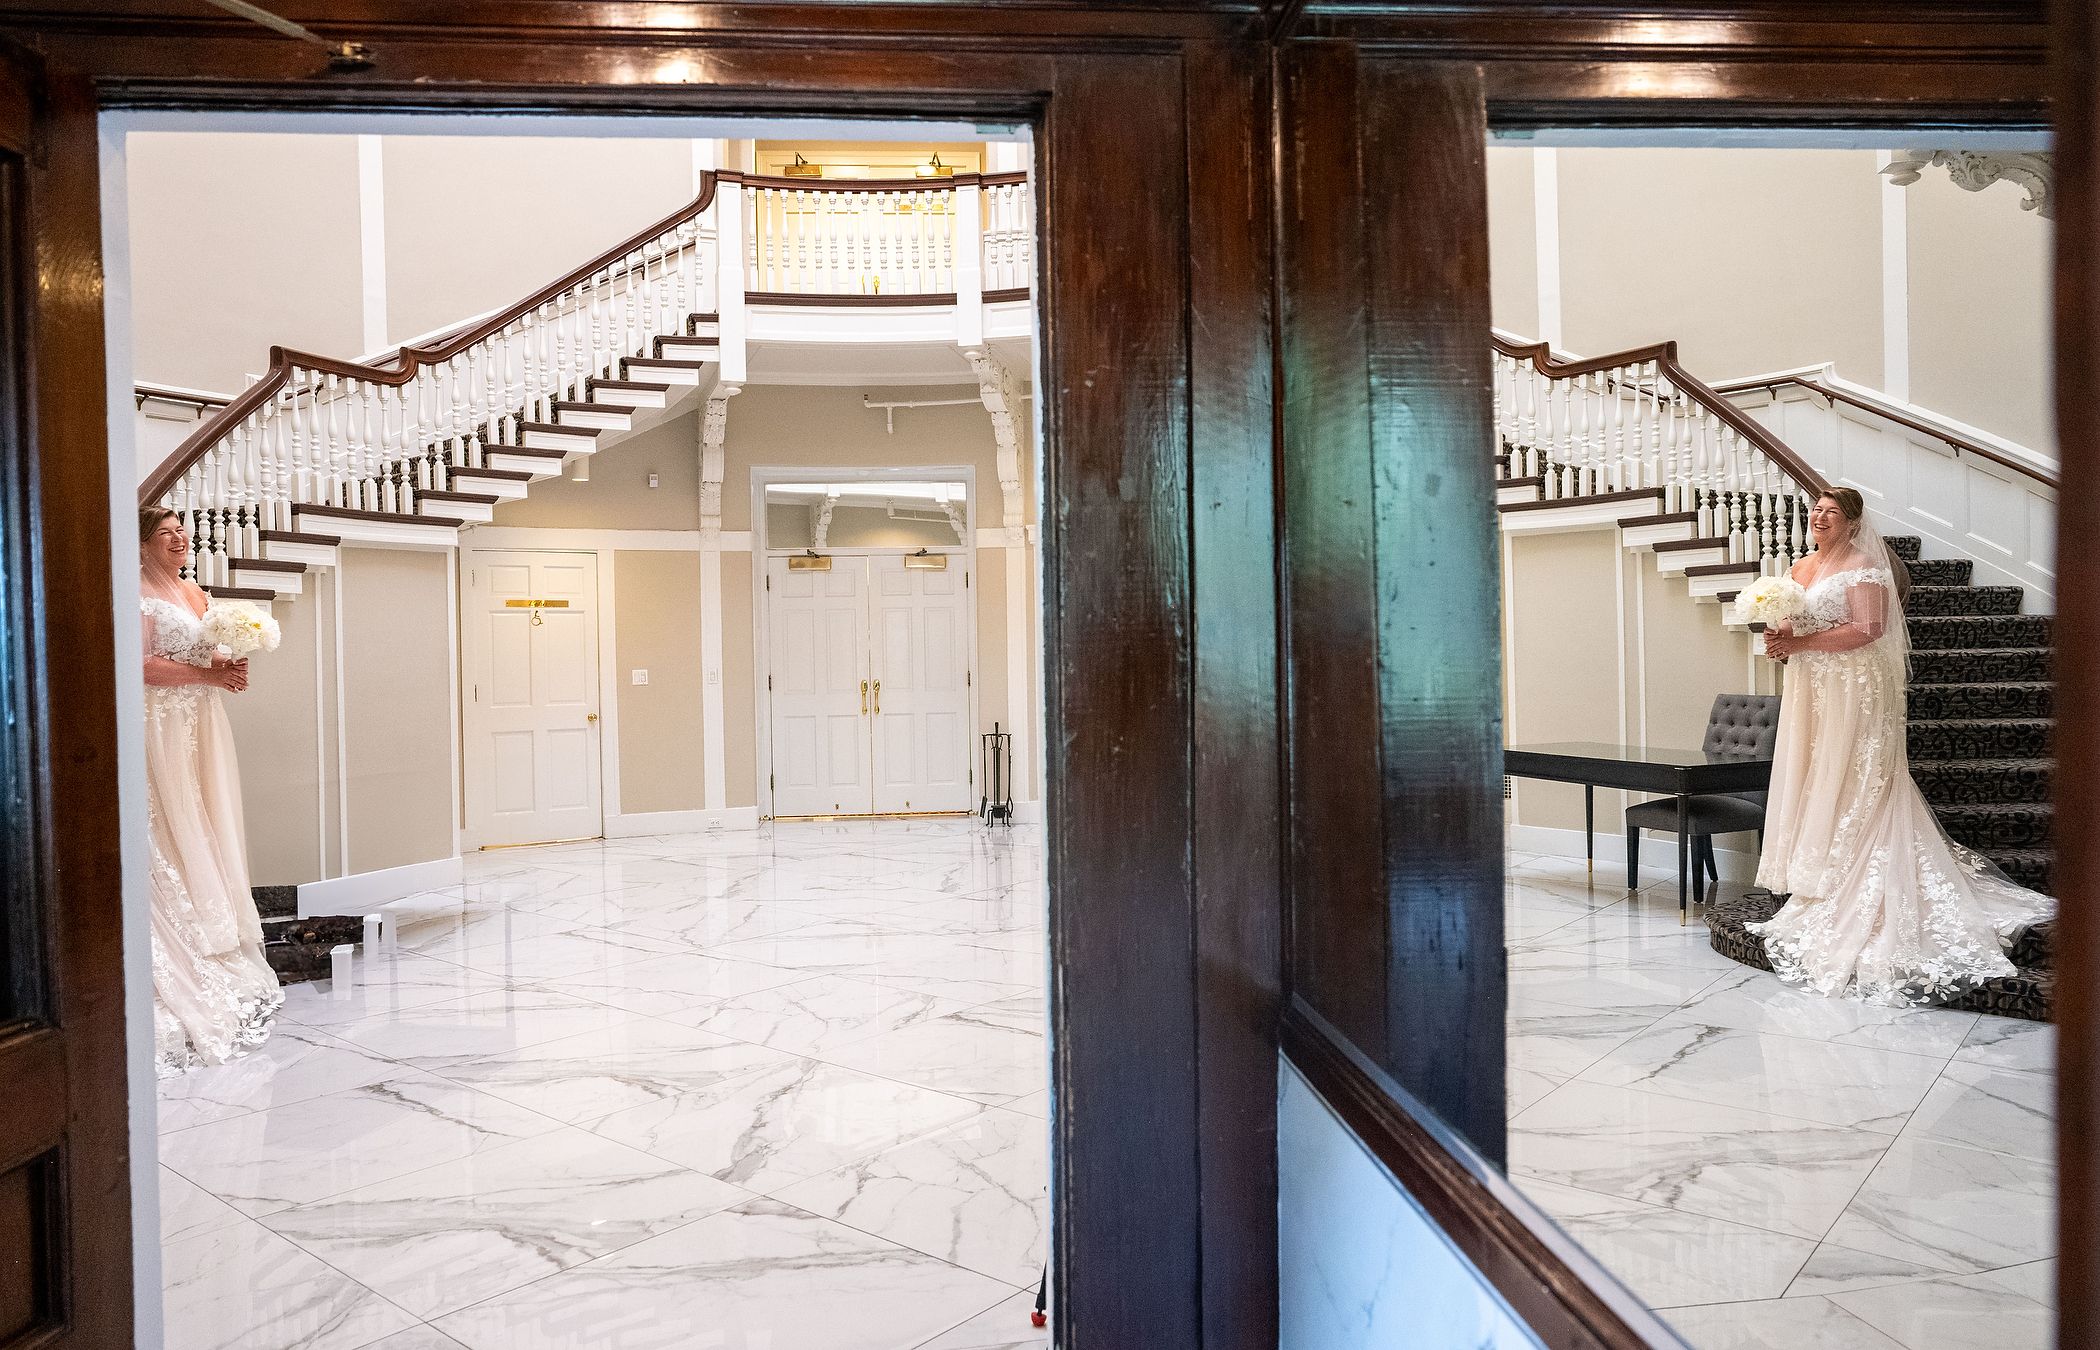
<point>920,622</point>
<point>65,1160</point>
<point>532,729</point>
<point>822,695</point>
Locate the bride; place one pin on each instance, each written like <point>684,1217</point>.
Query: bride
<point>1884,906</point>
<point>213,993</point>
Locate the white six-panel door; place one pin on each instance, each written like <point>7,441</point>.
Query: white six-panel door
<point>817,641</point>
<point>531,717</point>
<point>922,695</point>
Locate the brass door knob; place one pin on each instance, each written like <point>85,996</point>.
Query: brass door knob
<point>590,717</point>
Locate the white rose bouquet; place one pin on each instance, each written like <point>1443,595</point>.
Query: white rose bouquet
<point>240,628</point>
<point>1770,601</point>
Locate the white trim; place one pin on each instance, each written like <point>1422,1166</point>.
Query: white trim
<point>371,239</point>
<point>1580,513</point>
<point>361,892</point>
<point>1019,721</point>
<point>608,693</point>
<point>1028,811</point>
<point>541,538</point>
<point>459,765</point>
<point>1545,212</point>
<point>714,718</point>
<point>1620,559</point>
<point>1895,284</point>
<point>1640,642</point>
<point>643,823</point>
<point>1552,842</point>
<point>320,747</point>
<point>1510,734</point>
<point>342,740</point>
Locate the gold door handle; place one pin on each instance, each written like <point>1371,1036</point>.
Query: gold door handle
<point>878,698</point>
<point>590,717</point>
<point>863,698</point>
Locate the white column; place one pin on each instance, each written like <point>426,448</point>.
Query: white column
<point>1545,207</point>
<point>1895,285</point>
<point>969,265</point>
<point>729,279</point>
<point>1020,670</point>
<point>714,771</point>
<point>371,241</point>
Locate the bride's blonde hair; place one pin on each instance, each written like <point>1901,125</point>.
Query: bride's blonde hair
<point>1854,508</point>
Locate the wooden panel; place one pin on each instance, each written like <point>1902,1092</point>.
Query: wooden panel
<point>2077,632</point>
<point>1439,590</point>
<point>1238,755</point>
<point>28,1292</point>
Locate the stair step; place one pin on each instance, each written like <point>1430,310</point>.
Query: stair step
<point>383,527</point>
<point>2030,867</point>
<point>254,593</point>
<point>627,393</point>
<point>1938,702</point>
<point>277,575</point>
<point>569,440</point>
<point>1999,825</point>
<point>1979,664</point>
<point>276,902</point>
<point>1518,490</point>
<point>1904,546</point>
<point>1980,738</point>
<point>301,546</point>
<point>570,414</point>
<point>1707,581</point>
<point>1942,633</point>
<point>505,485</point>
<point>1954,600</point>
<point>688,348</point>
<point>479,507</point>
<point>1953,781</point>
<point>1679,555</point>
<point>1942,572</point>
<point>669,372</point>
<point>695,322</point>
<point>1649,531</point>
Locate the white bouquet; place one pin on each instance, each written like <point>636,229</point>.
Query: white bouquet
<point>240,628</point>
<point>1770,600</point>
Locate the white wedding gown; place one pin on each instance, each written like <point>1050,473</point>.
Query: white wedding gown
<point>1885,907</point>
<point>213,993</point>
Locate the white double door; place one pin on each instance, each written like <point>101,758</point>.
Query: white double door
<point>530,722</point>
<point>869,678</point>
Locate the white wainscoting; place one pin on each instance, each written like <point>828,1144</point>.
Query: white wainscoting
<point>362,892</point>
<point>638,824</point>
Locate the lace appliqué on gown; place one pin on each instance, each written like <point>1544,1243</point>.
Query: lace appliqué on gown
<point>1884,907</point>
<point>214,994</point>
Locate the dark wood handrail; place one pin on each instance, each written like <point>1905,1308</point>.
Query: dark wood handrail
<point>1664,355</point>
<point>1557,1290</point>
<point>1961,443</point>
<point>399,366</point>
<point>873,184</point>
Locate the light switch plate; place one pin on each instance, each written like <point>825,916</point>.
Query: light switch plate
<point>641,677</point>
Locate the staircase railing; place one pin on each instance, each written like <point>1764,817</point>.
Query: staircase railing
<point>937,238</point>
<point>1637,420</point>
<point>372,435</point>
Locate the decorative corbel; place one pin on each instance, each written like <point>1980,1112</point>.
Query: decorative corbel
<point>1975,170</point>
<point>1000,393</point>
<point>714,430</point>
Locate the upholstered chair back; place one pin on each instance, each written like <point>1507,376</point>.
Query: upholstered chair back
<point>1743,724</point>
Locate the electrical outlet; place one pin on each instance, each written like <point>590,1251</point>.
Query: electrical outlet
<point>641,677</point>
<point>652,480</point>
<point>714,677</point>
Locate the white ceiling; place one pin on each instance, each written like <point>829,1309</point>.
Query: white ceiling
<point>876,364</point>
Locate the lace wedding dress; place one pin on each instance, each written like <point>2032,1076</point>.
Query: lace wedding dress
<point>213,993</point>
<point>1885,907</point>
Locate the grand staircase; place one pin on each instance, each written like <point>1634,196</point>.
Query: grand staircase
<point>1633,442</point>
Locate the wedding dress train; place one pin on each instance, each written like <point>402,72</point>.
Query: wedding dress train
<point>1885,907</point>
<point>213,992</point>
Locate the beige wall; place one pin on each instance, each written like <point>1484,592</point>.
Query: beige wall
<point>1513,274</point>
<point>397,706</point>
<point>657,629</point>
<point>1752,260</point>
<point>239,242</point>
<point>477,222</point>
<point>1980,308</point>
<point>618,495</point>
<point>276,736</point>
<point>798,426</point>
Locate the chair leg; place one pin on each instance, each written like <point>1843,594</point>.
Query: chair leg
<point>1633,857</point>
<point>1713,870</point>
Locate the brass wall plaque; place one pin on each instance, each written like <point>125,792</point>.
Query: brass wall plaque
<point>535,604</point>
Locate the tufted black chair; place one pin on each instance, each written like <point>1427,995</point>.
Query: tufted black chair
<point>1740,724</point>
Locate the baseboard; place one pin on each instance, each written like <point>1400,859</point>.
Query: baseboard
<point>1658,851</point>
<point>639,823</point>
<point>363,892</point>
<point>1028,813</point>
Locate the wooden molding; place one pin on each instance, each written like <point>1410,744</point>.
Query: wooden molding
<point>1566,1299</point>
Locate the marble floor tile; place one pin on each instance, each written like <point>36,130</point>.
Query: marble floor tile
<point>975,1194</point>
<point>1837,1270</point>
<point>1567,978</point>
<point>1777,1324</point>
<point>1756,1000</point>
<point>1004,1326</point>
<point>187,1209</point>
<point>661,985</point>
<point>1028,1013</point>
<point>765,1130</point>
<point>1035,1104</point>
<point>1562,1040</point>
<point>590,1076</point>
<point>812,1015</point>
<point>761,1276</point>
<point>1957,1208</point>
<point>1749,1167</point>
<point>2003,1110</point>
<point>1525,1086</point>
<point>296,1064</point>
<point>245,1288</point>
<point>270,1160</point>
<point>578,954</point>
<point>436,1240</point>
<point>987,1064</point>
<point>386,985</point>
<point>1783,1075</point>
<point>2010,1043</point>
<point>437,928</point>
<point>670,910</point>
<point>1672,1258</point>
<point>417,1338</point>
<point>438,1036</point>
<point>1934,1314</point>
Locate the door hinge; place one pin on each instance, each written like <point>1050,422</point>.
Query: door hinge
<point>769,681</point>
<point>477,693</point>
<point>769,781</point>
<point>969,680</point>
<point>769,583</point>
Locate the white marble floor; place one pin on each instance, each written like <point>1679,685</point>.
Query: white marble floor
<point>741,1092</point>
<point>1769,1169</point>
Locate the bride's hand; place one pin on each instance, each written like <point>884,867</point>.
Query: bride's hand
<point>230,675</point>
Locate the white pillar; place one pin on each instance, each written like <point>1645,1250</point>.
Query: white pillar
<point>729,279</point>
<point>969,265</point>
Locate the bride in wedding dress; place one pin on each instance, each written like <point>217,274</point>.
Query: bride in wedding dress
<point>1884,906</point>
<point>213,993</point>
